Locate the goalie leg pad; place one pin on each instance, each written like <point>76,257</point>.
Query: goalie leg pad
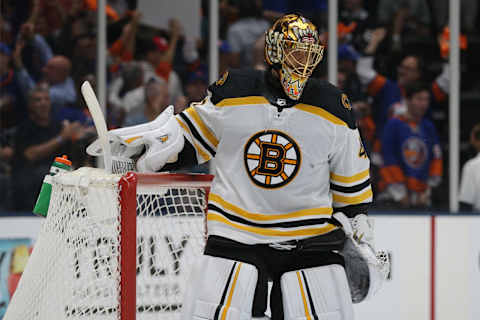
<point>221,289</point>
<point>317,293</point>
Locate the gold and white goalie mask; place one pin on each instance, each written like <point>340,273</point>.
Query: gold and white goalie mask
<point>292,47</point>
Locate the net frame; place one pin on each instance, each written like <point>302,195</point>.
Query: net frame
<point>184,195</point>
<point>128,225</point>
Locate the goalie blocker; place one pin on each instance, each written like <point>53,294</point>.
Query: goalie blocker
<point>152,144</point>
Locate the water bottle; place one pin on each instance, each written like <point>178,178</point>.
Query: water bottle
<point>59,166</point>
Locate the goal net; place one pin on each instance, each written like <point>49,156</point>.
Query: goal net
<point>114,247</point>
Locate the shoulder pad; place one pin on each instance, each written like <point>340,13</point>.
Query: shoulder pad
<point>236,83</point>
<point>322,94</point>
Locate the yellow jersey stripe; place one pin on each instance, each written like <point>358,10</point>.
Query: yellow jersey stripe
<point>353,200</point>
<point>242,101</point>
<point>302,291</point>
<point>204,154</point>
<point>203,128</point>
<point>268,217</point>
<point>320,112</point>
<point>230,294</point>
<point>211,216</point>
<point>349,179</point>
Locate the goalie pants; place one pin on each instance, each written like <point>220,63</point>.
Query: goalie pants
<point>272,263</point>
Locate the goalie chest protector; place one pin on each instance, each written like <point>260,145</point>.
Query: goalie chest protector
<point>281,167</point>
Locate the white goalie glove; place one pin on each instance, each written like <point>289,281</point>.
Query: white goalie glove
<point>160,141</point>
<point>366,268</point>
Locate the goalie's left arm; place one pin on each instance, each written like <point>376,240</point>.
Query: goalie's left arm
<point>351,196</point>
<point>350,173</point>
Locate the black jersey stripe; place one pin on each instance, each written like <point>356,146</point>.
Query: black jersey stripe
<point>196,134</point>
<point>225,290</point>
<point>352,210</point>
<point>352,189</point>
<point>289,224</point>
<point>312,307</point>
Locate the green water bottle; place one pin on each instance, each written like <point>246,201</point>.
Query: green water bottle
<point>60,165</point>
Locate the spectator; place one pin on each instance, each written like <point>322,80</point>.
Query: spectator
<point>196,87</point>
<point>156,100</point>
<point>347,60</point>
<point>77,39</point>
<point>411,153</point>
<point>36,142</point>
<point>242,34</point>
<point>259,54</point>
<point>6,34</point>
<point>9,93</point>
<point>6,155</point>
<point>84,54</point>
<point>470,184</point>
<point>158,60</point>
<point>56,72</point>
<point>127,92</point>
<point>123,49</point>
<point>356,19</point>
<point>411,16</point>
<point>388,94</point>
<point>363,110</point>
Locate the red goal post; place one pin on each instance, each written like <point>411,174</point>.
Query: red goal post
<point>85,265</point>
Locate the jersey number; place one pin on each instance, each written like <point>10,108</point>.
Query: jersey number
<point>362,153</point>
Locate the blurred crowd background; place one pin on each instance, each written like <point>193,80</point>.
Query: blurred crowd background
<point>392,63</point>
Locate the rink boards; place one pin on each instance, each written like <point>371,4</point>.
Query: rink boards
<point>417,289</point>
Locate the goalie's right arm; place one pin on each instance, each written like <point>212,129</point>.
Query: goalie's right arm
<point>154,143</point>
<point>169,141</point>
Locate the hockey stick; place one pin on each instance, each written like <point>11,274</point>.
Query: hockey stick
<point>99,121</point>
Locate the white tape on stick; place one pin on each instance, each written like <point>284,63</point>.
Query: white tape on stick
<point>99,121</point>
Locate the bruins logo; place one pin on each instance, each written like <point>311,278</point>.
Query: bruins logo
<point>346,102</point>
<point>222,79</point>
<point>272,159</point>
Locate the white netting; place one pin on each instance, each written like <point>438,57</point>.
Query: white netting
<point>170,227</point>
<point>74,270</point>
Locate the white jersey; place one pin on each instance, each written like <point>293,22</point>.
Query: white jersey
<point>279,172</point>
<point>470,185</point>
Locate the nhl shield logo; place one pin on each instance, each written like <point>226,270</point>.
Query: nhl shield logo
<point>272,159</point>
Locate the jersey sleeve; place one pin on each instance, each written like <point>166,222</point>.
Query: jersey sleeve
<point>201,127</point>
<point>350,173</point>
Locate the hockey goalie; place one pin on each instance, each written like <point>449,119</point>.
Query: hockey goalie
<point>290,197</point>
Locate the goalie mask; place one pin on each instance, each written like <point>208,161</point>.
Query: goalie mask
<point>292,47</point>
